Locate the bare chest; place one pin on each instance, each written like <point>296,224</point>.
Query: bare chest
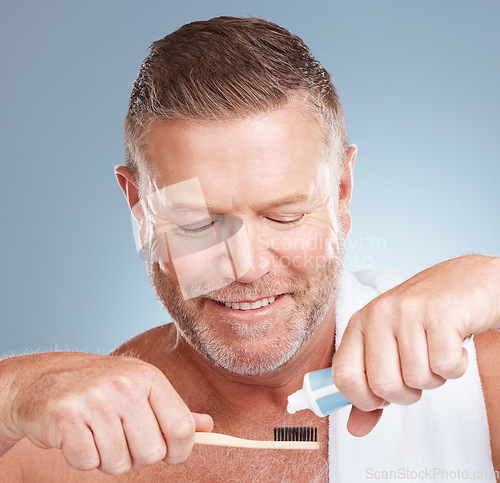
<point>214,464</point>
<point>239,465</point>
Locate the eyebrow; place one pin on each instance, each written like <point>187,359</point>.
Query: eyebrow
<point>294,198</point>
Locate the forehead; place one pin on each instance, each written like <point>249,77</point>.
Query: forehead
<point>242,161</point>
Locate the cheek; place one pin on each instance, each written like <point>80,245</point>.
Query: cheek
<point>307,251</point>
<point>200,272</point>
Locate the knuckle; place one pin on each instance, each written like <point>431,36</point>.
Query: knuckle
<point>438,307</point>
<point>81,456</point>
<point>443,367</point>
<point>381,310</point>
<point>124,383</point>
<point>152,456</point>
<point>384,388</point>
<point>96,396</point>
<point>179,457</point>
<point>150,372</point>
<point>65,411</point>
<point>454,373</point>
<point>369,403</point>
<point>344,377</point>
<point>116,468</point>
<point>86,464</point>
<point>410,304</point>
<point>155,457</point>
<point>416,379</point>
<point>183,428</point>
<point>355,321</point>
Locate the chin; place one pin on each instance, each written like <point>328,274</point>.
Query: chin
<point>250,358</point>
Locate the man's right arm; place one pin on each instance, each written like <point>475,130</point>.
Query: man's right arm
<point>105,412</point>
<point>8,370</point>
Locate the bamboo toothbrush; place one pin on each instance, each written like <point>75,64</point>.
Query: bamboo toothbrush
<point>284,438</point>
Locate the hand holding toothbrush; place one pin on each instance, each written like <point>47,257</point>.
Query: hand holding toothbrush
<point>105,412</point>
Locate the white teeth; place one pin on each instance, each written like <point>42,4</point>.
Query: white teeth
<point>250,305</point>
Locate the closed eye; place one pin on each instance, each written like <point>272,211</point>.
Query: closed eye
<point>287,220</point>
<point>197,227</point>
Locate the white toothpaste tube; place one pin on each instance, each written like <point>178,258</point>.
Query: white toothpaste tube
<point>318,394</point>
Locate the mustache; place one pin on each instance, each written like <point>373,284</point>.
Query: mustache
<point>267,286</point>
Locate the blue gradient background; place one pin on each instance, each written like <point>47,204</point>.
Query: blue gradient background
<point>419,85</point>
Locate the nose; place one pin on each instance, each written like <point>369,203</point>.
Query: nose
<point>250,253</point>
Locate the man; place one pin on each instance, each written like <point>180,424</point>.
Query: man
<point>239,178</point>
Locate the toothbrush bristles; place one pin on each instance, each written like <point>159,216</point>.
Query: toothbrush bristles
<point>290,433</point>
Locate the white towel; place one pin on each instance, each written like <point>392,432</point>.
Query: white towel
<point>443,437</point>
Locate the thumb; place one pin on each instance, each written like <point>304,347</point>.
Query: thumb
<point>203,422</point>
<point>360,423</point>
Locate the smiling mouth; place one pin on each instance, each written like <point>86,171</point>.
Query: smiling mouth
<point>249,305</point>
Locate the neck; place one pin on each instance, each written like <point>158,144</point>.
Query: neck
<point>227,395</point>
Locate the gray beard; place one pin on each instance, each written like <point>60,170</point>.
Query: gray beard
<point>312,301</point>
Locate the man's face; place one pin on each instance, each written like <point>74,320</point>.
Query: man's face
<point>270,171</point>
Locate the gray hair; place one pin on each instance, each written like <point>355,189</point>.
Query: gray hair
<point>227,68</point>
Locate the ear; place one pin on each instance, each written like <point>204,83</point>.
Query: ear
<point>345,187</point>
<point>129,187</point>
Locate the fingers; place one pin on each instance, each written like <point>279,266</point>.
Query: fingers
<point>414,355</point>
<point>447,357</point>
<point>145,440</point>
<point>80,450</point>
<point>129,418</point>
<point>100,444</point>
<point>147,444</point>
<point>163,429</point>
<point>360,423</point>
<point>383,368</point>
<point>176,422</point>
<point>348,369</point>
<point>390,354</point>
<point>203,422</point>
<point>112,445</point>
<point>411,337</point>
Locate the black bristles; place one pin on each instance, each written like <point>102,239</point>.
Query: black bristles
<point>288,433</point>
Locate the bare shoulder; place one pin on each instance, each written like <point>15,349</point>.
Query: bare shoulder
<point>488,361</point>
<point>146,346</point>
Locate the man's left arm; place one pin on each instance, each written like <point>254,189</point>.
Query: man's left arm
<point>410,338</point>
<point>488,362</point>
